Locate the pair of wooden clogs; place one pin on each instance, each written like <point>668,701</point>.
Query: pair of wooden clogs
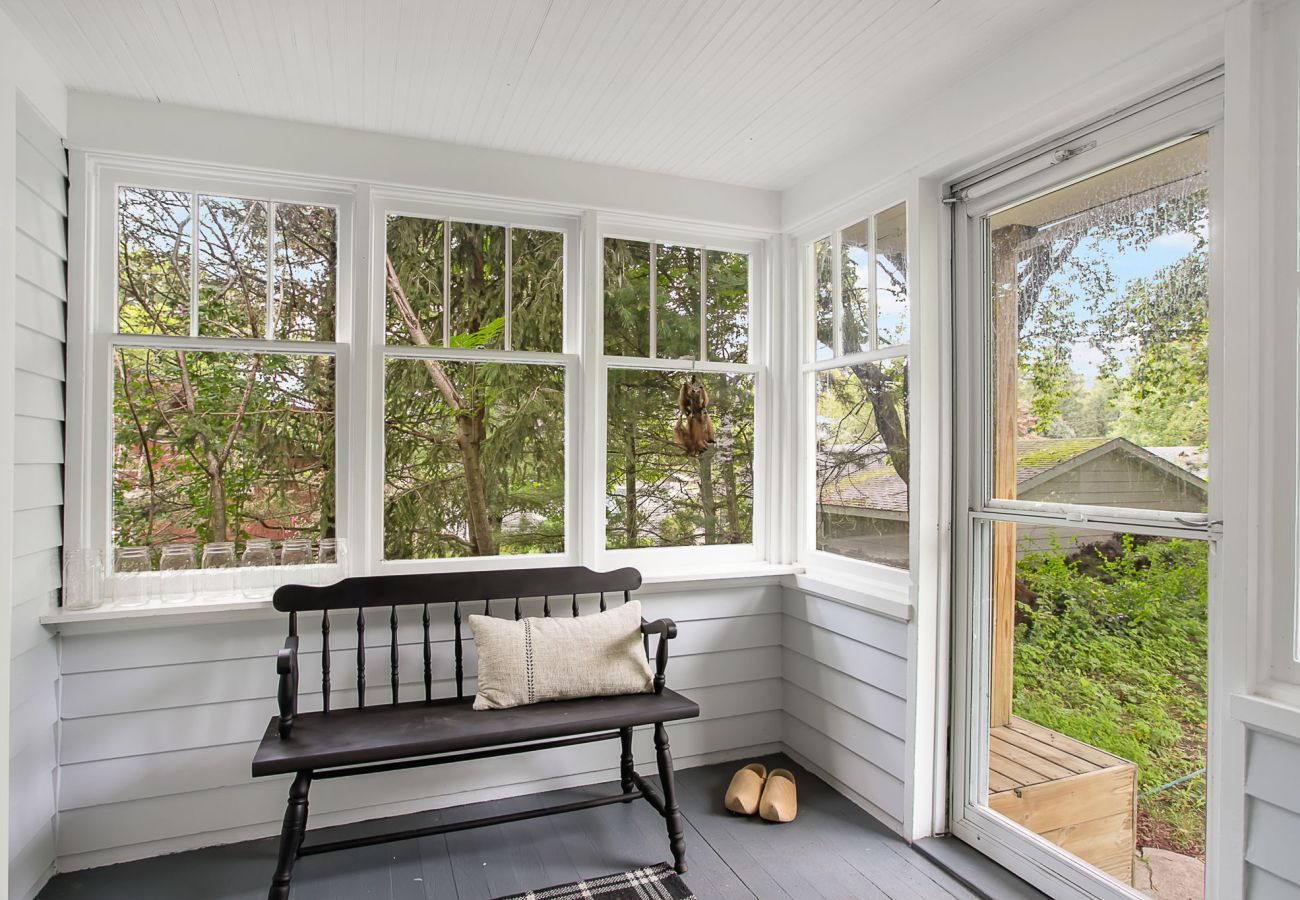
<point>772,796</point>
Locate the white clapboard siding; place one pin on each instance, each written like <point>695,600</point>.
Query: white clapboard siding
<point>159,725</point>
<point>1272,817</point>
<point>844,701</point>
<point>37,433</point>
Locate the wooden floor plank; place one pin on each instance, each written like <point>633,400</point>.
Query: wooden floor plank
<point>833,850</point>
<point>1046,768</point>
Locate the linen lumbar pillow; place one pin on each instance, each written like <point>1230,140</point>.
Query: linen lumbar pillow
<point>533,660</point>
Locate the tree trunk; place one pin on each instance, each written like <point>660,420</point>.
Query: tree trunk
<point>217,500</point>
<point>469,430</point>
<point>889,416</point>
<point>707,506</point>
<point>480,526</point>
<point>733,498</point>
<point>629,489</point>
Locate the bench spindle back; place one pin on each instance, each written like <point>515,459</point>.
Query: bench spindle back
<point>453,588</point>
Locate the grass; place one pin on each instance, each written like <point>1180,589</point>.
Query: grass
<point>1111,649</point>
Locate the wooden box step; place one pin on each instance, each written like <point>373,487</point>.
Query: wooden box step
<point>1078,797</point>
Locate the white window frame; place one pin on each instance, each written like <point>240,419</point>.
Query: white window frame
<point>374,351</point>
<point>92,323</point>
<point>1161,122</point>
<point>360,349</point>
<point>892,581</point>
<point>1278,668</point>
<point>684,559</point>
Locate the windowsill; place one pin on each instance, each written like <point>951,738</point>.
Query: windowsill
<point>208,611</point>
<point>1268,713</point>
<point>889,600</point>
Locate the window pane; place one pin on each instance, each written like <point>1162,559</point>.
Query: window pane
<point>627,298</point>
<point>222,446</point>
<point>1102,664</point>
<point>414,280</point>
<point>657,494</point>
<point>891,277</point>
<point>478,285</point>
<point>862,462</point>
<point>232,267</point>
<point>537,290</point>
<point>473,459</point>
<point>677,303</point>
<point>1100,338</point>
<point>153,262</point>
<point>306,253</point>
<point>824,298</point>
<point>855,283</point>
<point>727,306</point>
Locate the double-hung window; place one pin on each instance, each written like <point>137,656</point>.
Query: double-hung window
<point>681,389</point>
<point>212,381</point>
<point>856,354</point>
<point>475,381</point>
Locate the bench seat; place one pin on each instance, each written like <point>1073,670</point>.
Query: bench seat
<point>376,734</point>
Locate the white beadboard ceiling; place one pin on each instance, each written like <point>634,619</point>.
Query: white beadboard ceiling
<point>751,92</point>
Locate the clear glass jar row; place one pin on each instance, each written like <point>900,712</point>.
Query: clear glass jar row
<point>180,577</point>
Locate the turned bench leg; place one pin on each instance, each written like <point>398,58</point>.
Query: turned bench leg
<point>291,835</point>
<point>625,761</point>
<point>672,816</point>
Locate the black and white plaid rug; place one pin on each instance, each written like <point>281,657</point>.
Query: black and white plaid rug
<point>658,882</point>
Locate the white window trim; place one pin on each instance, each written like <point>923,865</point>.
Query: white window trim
<point>658,231</point>
<point>1033,858</point>
<point>892,580</point>
<point>360,350</point>
<point>1278,672</point>
<point>92,321</point>
<point>372,351</point>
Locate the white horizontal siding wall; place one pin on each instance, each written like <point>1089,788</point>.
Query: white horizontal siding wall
<point>41,292</point>
<point>1272,817</point>
<point>844,698</point>
<point>160,725</point>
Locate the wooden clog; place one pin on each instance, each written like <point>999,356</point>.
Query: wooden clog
<point>778,803</point>
<point>745,789</point>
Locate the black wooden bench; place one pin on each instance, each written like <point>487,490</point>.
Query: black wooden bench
<point>334,743</point>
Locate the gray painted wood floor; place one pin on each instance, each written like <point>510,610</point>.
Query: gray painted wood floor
<point>832,850</point>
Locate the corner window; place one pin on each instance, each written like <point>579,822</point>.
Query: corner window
<point>680,395</point>
<point>859,366</point>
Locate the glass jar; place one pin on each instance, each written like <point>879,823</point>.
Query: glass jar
<point>255,569</point>
<point>219,569</point>
<point>83,579</point>
<point>134,583</point>
<point>295,552</point>
<point>330,557</point>
<point>176,567</point>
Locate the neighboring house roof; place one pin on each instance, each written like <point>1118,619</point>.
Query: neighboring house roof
<point>1038,461</point>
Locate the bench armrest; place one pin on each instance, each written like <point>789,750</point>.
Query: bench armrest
<point>667,630</point>
<point>286,666</point>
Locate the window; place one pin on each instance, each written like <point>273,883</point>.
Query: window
<point>677,334</point>
<point>474,390</point>
<point>859,367</point>
<point>223,365</point>
<point>249,390</point>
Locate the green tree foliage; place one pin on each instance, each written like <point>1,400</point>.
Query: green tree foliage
<point>1111,645</point>
<point>655,494</point>
<point>222,446</point>
<point>474,456</point>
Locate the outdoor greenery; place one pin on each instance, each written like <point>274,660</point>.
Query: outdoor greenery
<point>230,444</point>
<point>223,446</point>
<point>1111,649</point>
<point>656,495</point>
